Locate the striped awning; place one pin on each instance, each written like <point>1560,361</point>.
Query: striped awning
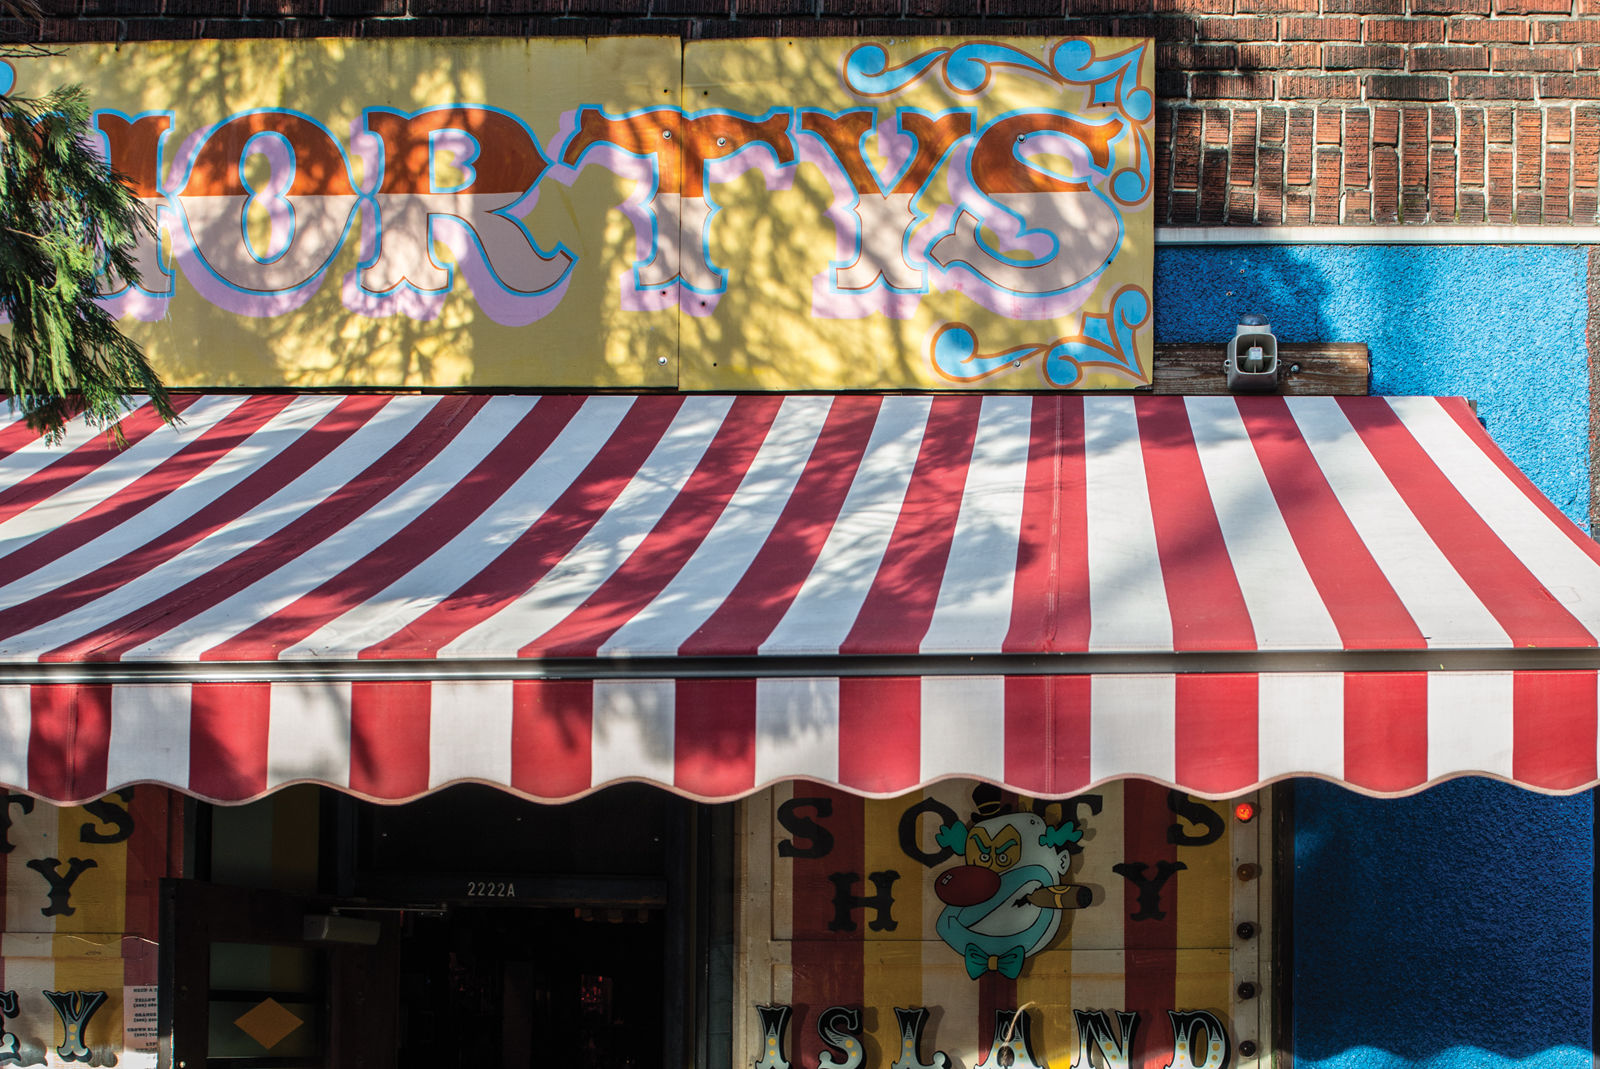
<point>390,593</point>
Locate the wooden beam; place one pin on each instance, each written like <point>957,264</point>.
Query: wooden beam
<point>1324,368</point>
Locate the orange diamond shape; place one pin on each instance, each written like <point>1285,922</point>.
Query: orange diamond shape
<point>268,1023</point>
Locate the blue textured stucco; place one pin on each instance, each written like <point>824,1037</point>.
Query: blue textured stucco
<point>1453,928</point>
<point>1502,325</point>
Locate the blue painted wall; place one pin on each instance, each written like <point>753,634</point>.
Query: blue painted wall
<point>1502,325</point>
<point>1453,928</point>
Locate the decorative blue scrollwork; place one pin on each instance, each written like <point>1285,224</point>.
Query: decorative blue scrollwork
<point>1104,340</point>
<point>968,70</point>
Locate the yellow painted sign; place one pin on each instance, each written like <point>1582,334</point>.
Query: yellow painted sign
<point>961,925</point>
<point>80,887</point>
<point>761,214</point>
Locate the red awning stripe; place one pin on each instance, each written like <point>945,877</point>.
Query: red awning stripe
<point>1216,734</point>
<point>312,527</point>
<point>465,555</point>
<point>1474,432</point>
<point>1435,597</point>
<point>732,609</point>
<point>32,469</point>
<point>113,507</point>
<point>1051,591</point>
<point>354,531</point>
<point>459,485</point>
<point>1510,506</point>
<point>1362,604</point>
<point>663,553</point>
<point>830,598</point>
<point>535,544</point>
<point>899,606</point>
<point>1268,525</point>
<point>1208,607</point>
<point>1498,576</point>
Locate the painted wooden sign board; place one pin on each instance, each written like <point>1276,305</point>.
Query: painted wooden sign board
<point>634,212</point>
<point>78,955</point>
<point>960,927</point>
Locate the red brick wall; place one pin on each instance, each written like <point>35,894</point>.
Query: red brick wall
<point>1360,163</point>
<point>1272,111</point>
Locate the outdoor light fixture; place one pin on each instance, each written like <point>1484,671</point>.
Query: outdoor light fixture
<point>1252,363</point>
<point>1244,812</point>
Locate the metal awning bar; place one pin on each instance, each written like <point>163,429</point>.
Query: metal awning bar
<point>806,667</point>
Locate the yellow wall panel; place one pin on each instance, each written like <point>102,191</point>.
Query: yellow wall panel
<point>633,212</point>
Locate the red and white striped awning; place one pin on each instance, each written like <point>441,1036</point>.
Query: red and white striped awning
<point>393,593</point>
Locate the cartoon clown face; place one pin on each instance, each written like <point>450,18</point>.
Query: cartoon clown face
<point>1004,902</point>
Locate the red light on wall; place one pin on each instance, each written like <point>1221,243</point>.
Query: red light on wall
<point>1244,812</point>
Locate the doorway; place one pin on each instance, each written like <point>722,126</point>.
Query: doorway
<point>518,930</point>
<point>505,988</point>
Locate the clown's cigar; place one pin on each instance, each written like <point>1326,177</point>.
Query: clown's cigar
<point>1062,896</point>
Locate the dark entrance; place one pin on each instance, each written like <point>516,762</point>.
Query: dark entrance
<point>258,979</point>
<point>511,933</point>
<point>498,988</point>
<point>545,932</point>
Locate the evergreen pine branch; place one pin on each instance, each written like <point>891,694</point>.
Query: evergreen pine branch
<point>68,227</point>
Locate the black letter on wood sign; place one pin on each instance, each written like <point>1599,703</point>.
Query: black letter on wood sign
<point>912,1021</point>
<point>9,1052</point>
<point>1012,1044</point>
<point>1195,813</point>
<point>840,1028</point>
<point>774,1021</point>
<point>1185,1026</point>
<point>908,831</point>
<point>1149,889</point>
<point>1057,813</point>
<point>61,886</point>
<point>819,840</point>
<point>845,901</point>
<point>22,802</point>
<point>108,812</point>
<point>1095,1027</point>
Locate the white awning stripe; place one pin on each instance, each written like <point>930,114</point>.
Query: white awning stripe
<point>234,535</point>
<point>1470,722</point>
<point>822,613</point>
<point>299,575</point>
<point>1282,599</point>
<point>454,564</point>
<point>975,727</point>
<point>1443,606</point>
<point>1565,570</point>
<point>566,531</point>
<point>705,581</point>
<point>1128,603</point>
<point>607,544</point>
<point>309,734</point>
<point>1301,723</point>
<point>105,483</point>
<point>974,606</point>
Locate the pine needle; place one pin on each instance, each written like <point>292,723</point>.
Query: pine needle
<point>68,227</point>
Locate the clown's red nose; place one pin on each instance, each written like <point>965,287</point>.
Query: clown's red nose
<point>966,885</point>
